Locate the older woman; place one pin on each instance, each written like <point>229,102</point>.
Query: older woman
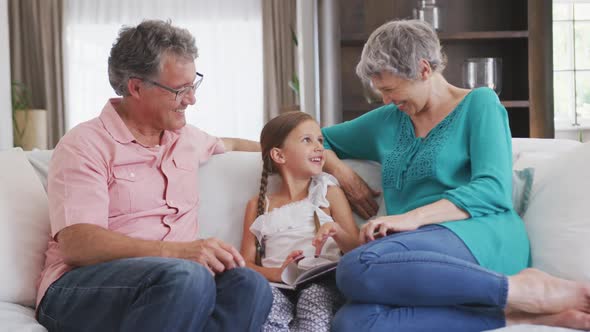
<point>451,252</point>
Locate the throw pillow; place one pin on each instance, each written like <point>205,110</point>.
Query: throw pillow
<point>558,219</point>
<point>24,228</point>
<point>39,159</point>
<point>226,182</point>
<point>522,183</point>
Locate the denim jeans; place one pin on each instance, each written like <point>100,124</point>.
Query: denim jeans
<point>155,294</point>
<point>423,280</point>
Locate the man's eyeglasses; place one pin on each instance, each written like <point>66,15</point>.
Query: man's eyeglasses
<point>179,94</point>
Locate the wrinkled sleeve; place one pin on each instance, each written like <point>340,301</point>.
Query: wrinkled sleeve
<point>207,145</point>
<point>490,150</point>
<point>77,186</point>
<point>256,228</point>
<point>357,139</point>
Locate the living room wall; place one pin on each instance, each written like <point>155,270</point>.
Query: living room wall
<point>5,98</point>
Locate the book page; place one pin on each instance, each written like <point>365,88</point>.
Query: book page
<point>306,269</point>
<point>315,272</point>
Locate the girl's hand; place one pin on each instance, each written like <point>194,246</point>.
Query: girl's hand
<point>326,231</point>
<point>295,255</point>
<point>380,227</point>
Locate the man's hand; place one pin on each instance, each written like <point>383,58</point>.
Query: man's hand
<point>359,194</point>
<point>216,255</point>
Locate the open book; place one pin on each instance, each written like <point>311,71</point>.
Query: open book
<point>304,270</point>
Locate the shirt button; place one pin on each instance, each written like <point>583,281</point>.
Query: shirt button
<point>171,203</point>
<point>132,174</point>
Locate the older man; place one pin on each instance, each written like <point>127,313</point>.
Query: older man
<point>123,199</point>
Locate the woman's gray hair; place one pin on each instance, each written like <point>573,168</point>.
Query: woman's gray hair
<point>138,51</point>
<point>397,47</point>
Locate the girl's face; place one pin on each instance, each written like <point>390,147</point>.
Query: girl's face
<point>303,151</point>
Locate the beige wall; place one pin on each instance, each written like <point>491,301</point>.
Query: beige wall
<point>5,101</point>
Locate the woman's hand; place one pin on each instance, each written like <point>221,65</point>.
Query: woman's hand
<point>358,193</point>
<point>382,226</point>
<point>326,231</point>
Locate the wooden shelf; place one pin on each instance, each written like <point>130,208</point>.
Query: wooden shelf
<point>360,107</point>
<point>353,39</point>
<point>359,39</point>
<point>515,103</point>
<point>483,35</point>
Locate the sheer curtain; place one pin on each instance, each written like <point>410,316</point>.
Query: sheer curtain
<point>228,34</point>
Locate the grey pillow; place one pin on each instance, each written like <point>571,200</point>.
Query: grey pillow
<point>522,183</point>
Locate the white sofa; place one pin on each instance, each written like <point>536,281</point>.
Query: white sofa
<point>226,183</point>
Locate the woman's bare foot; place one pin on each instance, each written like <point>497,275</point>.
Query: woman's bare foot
<point>573,319</point>
<point>536,292</point>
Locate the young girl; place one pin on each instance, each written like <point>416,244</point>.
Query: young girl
<point>308,216</point>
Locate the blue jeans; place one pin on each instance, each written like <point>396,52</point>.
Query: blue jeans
<point>423,280</point>
<point>155,294</point>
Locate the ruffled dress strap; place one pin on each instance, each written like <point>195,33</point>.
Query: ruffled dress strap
<point>318,190</point>
<point>257,225</point>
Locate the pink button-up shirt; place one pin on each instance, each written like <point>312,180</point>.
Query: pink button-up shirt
<point>100,175</point>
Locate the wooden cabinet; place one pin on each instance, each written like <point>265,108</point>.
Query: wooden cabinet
<point>517,31</point>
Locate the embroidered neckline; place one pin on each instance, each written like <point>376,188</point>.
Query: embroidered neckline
<point>442,123</point>
<point>282,207</point>
<point>413,158</point>
<point>319,180</point>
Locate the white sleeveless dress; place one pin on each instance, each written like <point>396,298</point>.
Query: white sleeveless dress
<point>291,227</point>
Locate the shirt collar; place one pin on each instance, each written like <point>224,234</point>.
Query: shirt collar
<point>118,129</point>
<point>113,122</point>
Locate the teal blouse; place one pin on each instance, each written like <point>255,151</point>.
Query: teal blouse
<point>466,159</point>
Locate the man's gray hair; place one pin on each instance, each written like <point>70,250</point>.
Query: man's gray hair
<point>397,47</point>
<point>138,51</point>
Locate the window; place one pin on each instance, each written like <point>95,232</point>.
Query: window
<point>228,34</point>
<point>571,64</point>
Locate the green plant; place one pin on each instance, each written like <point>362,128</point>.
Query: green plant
<point>21,101</point>
<point>294,82</point>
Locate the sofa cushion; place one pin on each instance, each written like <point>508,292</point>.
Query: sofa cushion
<point>557,219</point>
<point>227,181</point>
<point>547,146</point>
<point>24,228</point>
<point>532,328</point>
<point>14,317</point>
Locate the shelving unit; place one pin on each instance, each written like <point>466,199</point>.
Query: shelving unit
<point>359,39</point>
<point>365,107</point>
<point>517,31</point>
